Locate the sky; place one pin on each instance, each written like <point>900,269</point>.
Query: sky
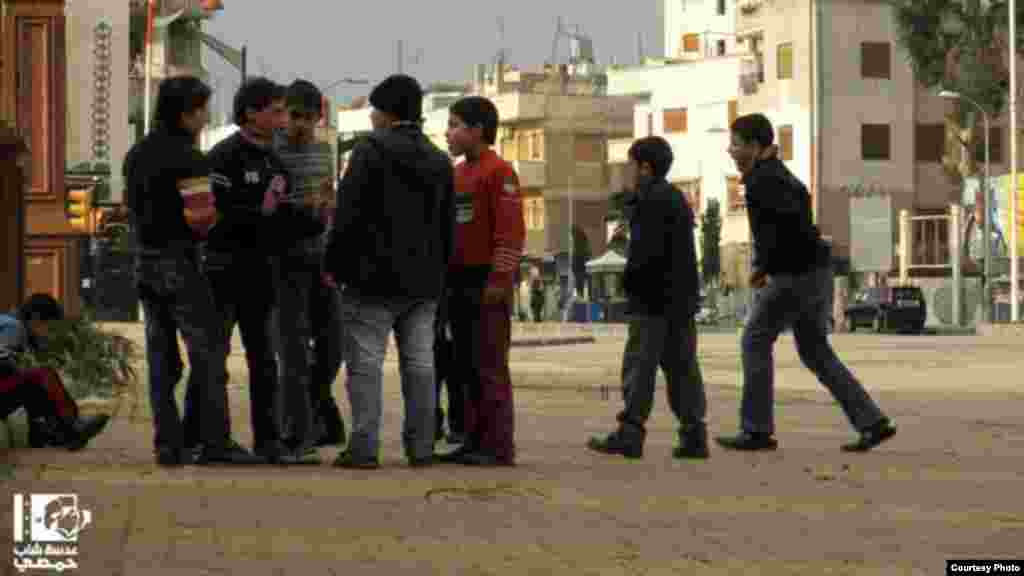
<point>326,40</point>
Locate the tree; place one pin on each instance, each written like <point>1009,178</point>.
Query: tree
<point>711,239</point>
<point>962,46</point>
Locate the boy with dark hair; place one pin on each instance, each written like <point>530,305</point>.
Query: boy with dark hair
<point>389,251</point>
<point>159,172</point>
<point>302,298</point>
<point>661,284</point>
<point>249,182</point>
<point>489,237</point>
<point>53,415</point>
<point>792,276</point>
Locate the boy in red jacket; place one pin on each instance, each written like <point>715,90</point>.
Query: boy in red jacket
<point>489,236</point>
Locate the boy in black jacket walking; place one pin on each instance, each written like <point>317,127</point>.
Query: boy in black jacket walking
<point>661,283</point>
<point>792,276</point>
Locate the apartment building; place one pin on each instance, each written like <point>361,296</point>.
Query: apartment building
<point>849,111</point>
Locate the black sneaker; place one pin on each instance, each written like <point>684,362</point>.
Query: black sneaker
<point>348,461</point>
<point>423,461</point>
<point>483,459</point>
<point>748,441</point>
<point>231,454</point>
<point>617,444</point>
<point>302,455</point>
<point>455,438</point>
<point>693,443</point>
<point>173,457</point>
<point>333,425</point>
<point>270,451</point>
<point>86,429</point>
<point>872,436</point>
<point>455,456</point>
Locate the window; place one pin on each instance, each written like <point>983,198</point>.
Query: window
<point>535,150</point>
<point>875,60</point>
<point>735,193</point>
<point>534,208</point>
<point>929,143</point>
<point>691,43</point>
<point>874,142</point>
<point>509,150</point>
<point>588,149</point>
<point>721,47</point>
<point>675,120</point>
<point>995,143</point>
<point>784,61</point>
<point>786,142</point>
<point>720,8</point>
<point>734,111</point>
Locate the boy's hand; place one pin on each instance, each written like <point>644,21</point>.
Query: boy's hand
<point>272,197</point>
<point>760,279</point>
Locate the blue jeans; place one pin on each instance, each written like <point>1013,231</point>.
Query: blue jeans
<point>177,297</point>
<point>368,326</point>
<point>803,302</point>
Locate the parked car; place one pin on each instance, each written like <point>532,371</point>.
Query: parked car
<point>901,308</point>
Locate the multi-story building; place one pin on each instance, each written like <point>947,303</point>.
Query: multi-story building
<point>849,111</point>
<point>690,96</point>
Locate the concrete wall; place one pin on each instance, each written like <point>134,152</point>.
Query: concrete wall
<point>82,17</point>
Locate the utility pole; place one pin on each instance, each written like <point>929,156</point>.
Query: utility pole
<point>400,56</point>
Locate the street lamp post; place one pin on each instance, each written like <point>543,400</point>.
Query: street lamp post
<point>987,205</point>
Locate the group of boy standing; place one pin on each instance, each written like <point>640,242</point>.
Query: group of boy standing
<point>413,245</point>
<point>252,234</point>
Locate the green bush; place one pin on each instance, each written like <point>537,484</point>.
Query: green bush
<point>91,361</point>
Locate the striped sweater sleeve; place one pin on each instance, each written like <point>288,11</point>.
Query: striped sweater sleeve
<point>509,227</point>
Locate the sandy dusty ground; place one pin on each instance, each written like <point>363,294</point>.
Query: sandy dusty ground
<point>948,486</point>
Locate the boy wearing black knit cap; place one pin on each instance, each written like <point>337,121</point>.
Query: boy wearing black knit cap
<point>388,253</point>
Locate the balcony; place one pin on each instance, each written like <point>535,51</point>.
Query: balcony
<point>532,173</point>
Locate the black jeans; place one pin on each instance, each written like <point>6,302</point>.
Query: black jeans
<point>244,292</point>
<point>177,297</point>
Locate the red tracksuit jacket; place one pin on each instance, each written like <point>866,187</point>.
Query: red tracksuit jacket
<point>489,225</point>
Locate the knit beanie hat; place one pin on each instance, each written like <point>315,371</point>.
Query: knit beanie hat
<point>400,95</point>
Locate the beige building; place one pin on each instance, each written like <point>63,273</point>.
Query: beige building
<point>848,111</point>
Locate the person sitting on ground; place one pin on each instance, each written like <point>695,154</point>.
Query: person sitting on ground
<point>54,419</point>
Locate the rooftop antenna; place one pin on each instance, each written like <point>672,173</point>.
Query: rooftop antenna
<point>500,56</point>
<point>640,48</point>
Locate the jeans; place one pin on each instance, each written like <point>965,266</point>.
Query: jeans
<point>296,274</point>
<point>368,326</point>
<point>803,302</point>
<point>672,344</point>
<point>243,291</point>
<point>177,297</point>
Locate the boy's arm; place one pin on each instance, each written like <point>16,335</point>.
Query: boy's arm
<point>348,202</point>
<point>448,217</point>
<point>509,227</point>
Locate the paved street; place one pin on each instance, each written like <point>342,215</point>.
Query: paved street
<point>948,485</point>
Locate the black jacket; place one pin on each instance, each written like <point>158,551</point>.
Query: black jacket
<point>661,275</point>
<point>786,241</point>
<point>393,232</point>
<point>241,172</point>
<point>152,169</point>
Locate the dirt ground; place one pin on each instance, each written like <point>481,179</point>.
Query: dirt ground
<point>947,486</point>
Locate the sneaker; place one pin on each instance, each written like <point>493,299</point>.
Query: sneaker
<point>455,456</point>
<point>748,441</point>
<point>455,438</point>
<point>693,443</point>
<point>872,436</point>
<point>333,425</point>
<point>168,457</point>
<point>483,459</point>
<point>86,429</point>
<point>616,444</point>
<point>348,461</point>
<point>271,451</point>
<point>231,454</point>
<point>423,461</point>
<point>302,455</point>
